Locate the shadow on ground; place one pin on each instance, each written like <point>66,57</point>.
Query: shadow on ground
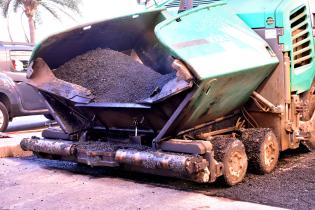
<point>291,185</point>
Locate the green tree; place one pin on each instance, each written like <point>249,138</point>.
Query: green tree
<point>31,9</point>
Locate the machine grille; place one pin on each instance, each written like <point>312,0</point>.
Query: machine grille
<point>195,3</point>
<point>301,38</point>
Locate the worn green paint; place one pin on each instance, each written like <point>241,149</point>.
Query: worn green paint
<point>255,12</point>
<point>218,97</point>
<point>302,77</point>
<point>50,40</point>
<point>214,42</point>
<point>228,58</point>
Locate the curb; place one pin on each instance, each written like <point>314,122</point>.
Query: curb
<point>10,145</point>
<point>12,148</point>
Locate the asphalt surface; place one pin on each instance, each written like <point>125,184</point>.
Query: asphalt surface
<point>31,183</point>
<point>37,184</point>
<point>291,185</point>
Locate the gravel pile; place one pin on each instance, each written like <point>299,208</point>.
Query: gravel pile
<point>112,76</point>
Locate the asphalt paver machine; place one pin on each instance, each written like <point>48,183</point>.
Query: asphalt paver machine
<point>242,90</point>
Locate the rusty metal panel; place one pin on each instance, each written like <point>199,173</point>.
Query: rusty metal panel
<point>275,90</point>
<point>186,146</point>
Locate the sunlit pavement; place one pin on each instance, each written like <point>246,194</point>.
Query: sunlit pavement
<point>19,128</point>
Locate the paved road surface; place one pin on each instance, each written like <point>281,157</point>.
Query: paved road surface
<point>31,183</point>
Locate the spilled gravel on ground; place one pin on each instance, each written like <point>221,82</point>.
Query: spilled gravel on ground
<point>291,185</point>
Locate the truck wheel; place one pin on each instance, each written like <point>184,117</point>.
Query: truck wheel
<point>4,117</point>
<point>262,148</point>
<point>231,152</point>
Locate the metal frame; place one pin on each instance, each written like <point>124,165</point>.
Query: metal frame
<point>171,120</point>
<point>285,108</point>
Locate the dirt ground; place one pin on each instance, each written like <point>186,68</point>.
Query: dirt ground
<point>291,186</point>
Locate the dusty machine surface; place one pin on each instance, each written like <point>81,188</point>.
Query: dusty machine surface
<point>184,89</point>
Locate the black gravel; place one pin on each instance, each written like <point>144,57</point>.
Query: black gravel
<point>112,76</point>
<point>291,185</point>
<point>109,147</point>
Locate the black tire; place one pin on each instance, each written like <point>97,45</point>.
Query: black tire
<point>231,152</point>
<point>262,149</point>
<point>4,122</point>
<point>49,116</point>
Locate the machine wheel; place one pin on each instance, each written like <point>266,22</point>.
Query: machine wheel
<point>262,149</point>
<point>308,98</point>
<point>4,117</point>
<point>231,152</point>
